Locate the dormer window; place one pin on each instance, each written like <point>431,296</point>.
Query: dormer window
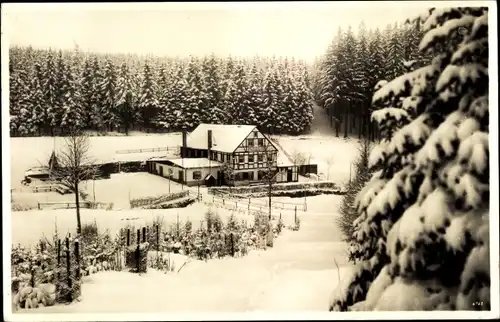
<point>250,142</point>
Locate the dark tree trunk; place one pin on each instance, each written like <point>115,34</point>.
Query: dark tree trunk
<point>77,203</point>
<point>346,120</point>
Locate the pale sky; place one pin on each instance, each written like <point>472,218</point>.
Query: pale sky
<point>302,30</point>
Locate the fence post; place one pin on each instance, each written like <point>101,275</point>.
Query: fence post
<point>68,268</point>
<point>138,236</point>
<point>38,205</point>
<point>157,238</point>
<point>223,203</point>
<point>77,254</point>
<point>137,257</point>
<point>128,237</point>
<point>143,234</point>
<point>249,200</point>
<point>295,215</point>
<point>213,198</point>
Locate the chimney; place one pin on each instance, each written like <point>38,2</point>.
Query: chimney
<point>209,139</point>
<point>184,144</point>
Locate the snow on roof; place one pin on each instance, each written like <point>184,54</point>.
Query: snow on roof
<point>283,160</point>
<point>225,138</point>
<point>190,163</point>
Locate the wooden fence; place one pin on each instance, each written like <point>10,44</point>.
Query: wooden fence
<point>248,206</point>
<point>258,203</point>
<point>71,204</point>
<point>148,201</point>
<point>160,149</point>
<point>51,187</point>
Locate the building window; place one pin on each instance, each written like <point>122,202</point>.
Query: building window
<point>196,175</point>
<point>241,158</point>
<point>250,142</point>
<point>250,158</point>
<point>245,175</point>
<point>219,157</point>
<point>255,134</point>
<point>250,175</point>
<point>260,157</point>
<point>261,142</point>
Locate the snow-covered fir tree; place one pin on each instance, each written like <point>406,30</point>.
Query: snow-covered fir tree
<point>270,101</point>
<point>178,100</point>
<point>235,98</point>
<point>108,96</point>
<point>422,236</point>
<point>164,91</point>
<point>147,102</point>
<point>126,99</point>
<point>193,109</point>
<point>96,81</point>
<point>35,115</point>
<point>50,88</point>
<point>213,109</point>
<point>71,118</point>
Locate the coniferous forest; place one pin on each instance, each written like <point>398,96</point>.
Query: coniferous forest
<point>345,77</point>
<point>53,91</point>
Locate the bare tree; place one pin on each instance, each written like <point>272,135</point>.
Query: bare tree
<point>270,176</point>
<point>74,166</point>
<point>329,163</point>
<point>298,159</point>
<point>228,172</point>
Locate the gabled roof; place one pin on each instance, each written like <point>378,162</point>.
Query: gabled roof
<point>225,138</point>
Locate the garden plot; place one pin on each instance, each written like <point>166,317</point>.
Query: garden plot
<point>297,274</point>
<point>26,233</point>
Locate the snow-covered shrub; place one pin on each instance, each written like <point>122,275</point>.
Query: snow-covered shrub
<point>421,240</point>
<point>136,257</point>
<point>348,211</point>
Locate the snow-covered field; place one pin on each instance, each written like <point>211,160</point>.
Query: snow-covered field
<point>35,151</point>
<point>119,189</point>
<point>297,274</point>
<point>333,155</point>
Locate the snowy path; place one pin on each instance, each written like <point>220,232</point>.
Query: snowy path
<point>298,273</point>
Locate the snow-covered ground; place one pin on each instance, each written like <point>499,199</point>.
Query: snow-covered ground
<point>119,189</point>
<point>35,151</point>
<point>297,274</point>
<point>333,155</point>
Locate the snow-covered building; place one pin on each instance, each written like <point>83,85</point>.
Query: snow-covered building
<point>216,154</point>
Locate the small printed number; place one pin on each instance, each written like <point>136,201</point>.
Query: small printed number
<point>478,304</point>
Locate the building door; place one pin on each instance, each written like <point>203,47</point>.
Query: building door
<point>181,177</point>
<point>161,171</point>
<point>289,175</point>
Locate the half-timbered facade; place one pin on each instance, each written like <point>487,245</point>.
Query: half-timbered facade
<point>236,154</point>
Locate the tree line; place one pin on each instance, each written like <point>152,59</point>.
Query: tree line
<point>55,92</point>
<point>344,77</point>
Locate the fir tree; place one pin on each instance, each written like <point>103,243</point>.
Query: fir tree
<point>109,115</point>
<point>125,101</point>
<point>148,103</point>
<point>50,88</point>
<point>422,230</point>
<point>215,112</point>
<point>36,120</point>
